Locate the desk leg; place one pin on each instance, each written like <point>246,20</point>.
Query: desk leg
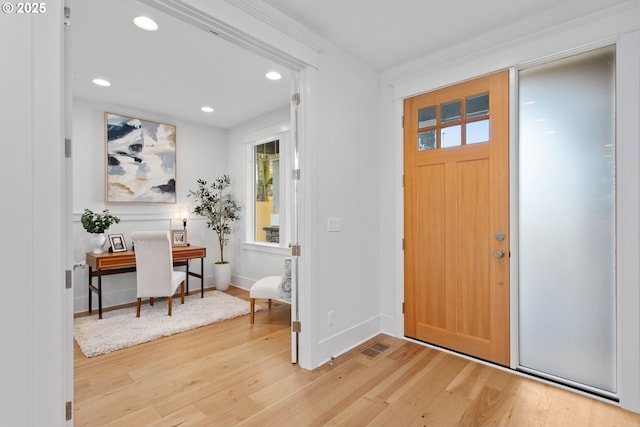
<point>99,294</point>
<point>187,271</point>
<point>201,277</point>
<point>90,291</point>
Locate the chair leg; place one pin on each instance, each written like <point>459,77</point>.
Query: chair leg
<point>182,292</point>
<point>252,304</point>
<point>138,307</point>
<point>169,303</point>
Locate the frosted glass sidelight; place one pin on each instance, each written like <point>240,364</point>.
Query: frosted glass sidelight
<point>567,309</point>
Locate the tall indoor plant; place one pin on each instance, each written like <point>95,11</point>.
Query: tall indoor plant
<point>96,224</point>
<point>214,202</point>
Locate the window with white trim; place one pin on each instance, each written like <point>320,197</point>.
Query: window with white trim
<point>266,192</point>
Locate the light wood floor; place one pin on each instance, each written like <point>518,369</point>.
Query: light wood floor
<point>232,374</point>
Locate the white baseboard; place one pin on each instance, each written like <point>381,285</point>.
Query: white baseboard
<point>242,282</point>
<point>348,339</point>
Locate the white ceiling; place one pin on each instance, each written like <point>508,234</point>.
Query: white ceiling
<point>173,71</point>
<point>177,69</point>
<point>387,34</point>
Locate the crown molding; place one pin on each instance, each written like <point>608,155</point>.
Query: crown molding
<point>512,37</point>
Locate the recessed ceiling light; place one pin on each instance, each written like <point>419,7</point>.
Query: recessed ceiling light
<point>273,75</point>
<point>207,109</point>
<point>101,82</point>
<point>145,23</point>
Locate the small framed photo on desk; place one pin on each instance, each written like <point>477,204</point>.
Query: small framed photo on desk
<point>179,237</point>
<point>117,243</point>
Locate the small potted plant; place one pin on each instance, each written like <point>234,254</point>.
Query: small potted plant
<point>97,224</point>
<point>216,204</point>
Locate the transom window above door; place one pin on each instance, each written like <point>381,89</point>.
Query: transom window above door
<point>454,123</point>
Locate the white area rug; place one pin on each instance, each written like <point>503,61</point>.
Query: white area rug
<point>121,329</point>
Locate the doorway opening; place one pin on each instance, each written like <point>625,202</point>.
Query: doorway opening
<point>92,103</point>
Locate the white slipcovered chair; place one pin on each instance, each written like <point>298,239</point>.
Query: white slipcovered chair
<point>154,268</point>
<point>272,287</point>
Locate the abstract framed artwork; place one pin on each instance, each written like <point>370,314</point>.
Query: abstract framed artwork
<point>141,160</point>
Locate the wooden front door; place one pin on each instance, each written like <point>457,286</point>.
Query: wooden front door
<point>457,218</point>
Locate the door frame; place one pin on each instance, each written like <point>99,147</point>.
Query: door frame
<point>301,59</point>
<point>627,183</point>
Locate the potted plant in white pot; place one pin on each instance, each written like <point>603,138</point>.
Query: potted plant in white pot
<point>97,224</point>
<point>215,203</point>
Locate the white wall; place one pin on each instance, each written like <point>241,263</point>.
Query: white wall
<point>344,167</point>
<point>201,153</point>
<point>628,214</point>
<point>32,372</point>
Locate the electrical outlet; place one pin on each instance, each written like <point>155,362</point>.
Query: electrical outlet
<point>330,318</point>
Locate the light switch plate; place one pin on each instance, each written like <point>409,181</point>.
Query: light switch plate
<point>334,224</point>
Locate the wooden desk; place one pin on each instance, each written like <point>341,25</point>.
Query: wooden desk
<point>125,262</point>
